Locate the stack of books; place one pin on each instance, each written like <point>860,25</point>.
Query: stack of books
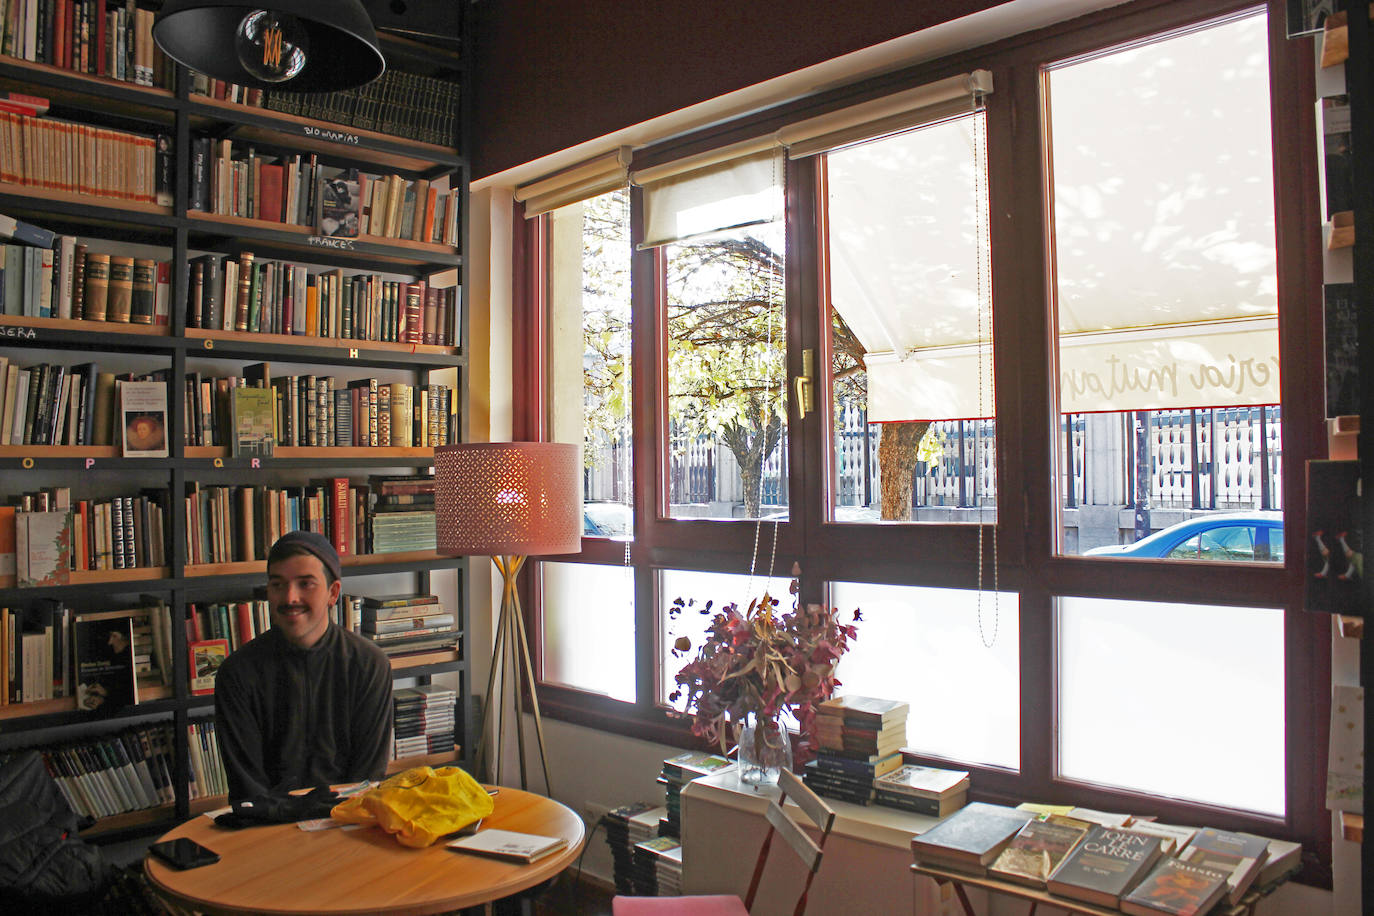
<point>677,772</point>
<point>657,870</point>
<point>924,790</point>
<point>402,514</point>
<point>626,827</point>
<point>406,623</point>
<point>424,722</point>
<point>857,740</point>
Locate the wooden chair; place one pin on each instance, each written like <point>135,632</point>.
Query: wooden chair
<point>778,823</point>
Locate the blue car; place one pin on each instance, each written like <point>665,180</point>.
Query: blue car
<point>1236,537</point>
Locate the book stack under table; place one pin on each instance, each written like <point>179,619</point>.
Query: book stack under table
<point>1114,862</point>
<point>626,827</point>
<point>857,740</point>
<point>424,720</point>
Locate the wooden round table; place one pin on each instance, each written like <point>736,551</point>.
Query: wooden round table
<point>281,869</point>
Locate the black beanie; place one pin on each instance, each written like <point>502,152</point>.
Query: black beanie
<point>311,542</point>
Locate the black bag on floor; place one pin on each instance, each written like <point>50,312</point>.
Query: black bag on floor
<point>44,865</point>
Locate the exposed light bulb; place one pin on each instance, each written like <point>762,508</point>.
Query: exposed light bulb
<point>272,46</point>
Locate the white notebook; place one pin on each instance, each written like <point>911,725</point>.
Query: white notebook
<point>508,844</point>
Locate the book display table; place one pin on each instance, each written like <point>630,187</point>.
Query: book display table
<point>282,869</point>
<point>1036,896</point>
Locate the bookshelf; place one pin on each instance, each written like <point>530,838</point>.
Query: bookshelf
<point>180,233</point>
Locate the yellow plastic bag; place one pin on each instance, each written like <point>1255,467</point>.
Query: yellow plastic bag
<point>419,805</point>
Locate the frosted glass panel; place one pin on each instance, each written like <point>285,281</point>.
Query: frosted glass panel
<point>589,628</point>
<point>1178,700</point>
<point>720,589</point>
<point>926,646</point>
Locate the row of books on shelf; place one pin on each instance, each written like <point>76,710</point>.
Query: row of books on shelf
<point>101,658</point>
<point>233,524</point>
<point>68,280</point>
<point>58,155</point>
<point>277,297</point>
<point>56,404</point>
<point>297,189</point>
<point>97,37</point>
<point>399,103</point>
<point>1138,865</point>
<point>41,546</point>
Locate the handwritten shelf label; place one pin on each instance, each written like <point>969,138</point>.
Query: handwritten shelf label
<point>324,241</point>
<point>334,136</point>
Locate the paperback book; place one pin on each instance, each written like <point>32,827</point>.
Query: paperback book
<point>509,845</point>
<point>143,419</point>
<point>1035,852</point>
<point>970,838</point>
<point>252,412</point>
<point>1176,888</point>
<point>1106,865</point>
<point>206,657</point>
<point>104,647</point>
<point>1238,854</point>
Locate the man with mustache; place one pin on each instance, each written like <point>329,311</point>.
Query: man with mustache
<point>307,703</point>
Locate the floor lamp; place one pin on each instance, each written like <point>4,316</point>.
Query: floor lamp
<point>509,501</point>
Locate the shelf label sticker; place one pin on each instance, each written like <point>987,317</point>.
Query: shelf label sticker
<point>352,352</point>
<point>209,344</point>
<point>219,462</point>
<point>256,463</point>
<point>27,463</point>
<point>333,136</point>
<point>90,463</point>
<point>19,333</point>
<point>326,241</point>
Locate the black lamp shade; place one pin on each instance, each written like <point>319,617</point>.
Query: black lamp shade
<point>342,44</point>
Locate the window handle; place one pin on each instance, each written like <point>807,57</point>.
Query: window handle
<point>802,384</point>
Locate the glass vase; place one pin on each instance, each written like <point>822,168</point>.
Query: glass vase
<point>764,750</point>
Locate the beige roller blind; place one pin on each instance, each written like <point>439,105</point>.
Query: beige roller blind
<point>887,115</point>
<point>580,182</point>
<point>726,188</point>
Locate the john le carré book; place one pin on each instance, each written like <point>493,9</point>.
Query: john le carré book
<point>1105,865</point>
<point>970,838</point>
<point>1176,888</point>
<point>508,844</point>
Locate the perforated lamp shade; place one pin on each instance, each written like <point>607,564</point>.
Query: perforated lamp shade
<point>508,498</point>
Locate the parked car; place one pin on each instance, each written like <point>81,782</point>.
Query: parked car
<point>605,519</point>
<point>1233,537</point>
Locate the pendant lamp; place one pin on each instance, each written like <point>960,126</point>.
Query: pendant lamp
<point>295,46</point>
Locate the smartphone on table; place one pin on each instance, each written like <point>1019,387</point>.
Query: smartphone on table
<point>183,853</point>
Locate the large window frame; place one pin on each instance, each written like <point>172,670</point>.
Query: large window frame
<point>1026,427</point>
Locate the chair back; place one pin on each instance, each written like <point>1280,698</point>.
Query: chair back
<point>807,850</point>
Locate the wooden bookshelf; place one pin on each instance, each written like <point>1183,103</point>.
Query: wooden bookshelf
<point>59,451</point>
<point>402,454</point>
<point>49,196</point>
<point>447,758</point>
<point>68,704</point>
<point>242,567</point>
<point>78,324</point>
<point>368,248</point>
<point>148,574</point>
<point>363,347</point>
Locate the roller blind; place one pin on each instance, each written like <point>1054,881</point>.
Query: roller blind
<point>580,182</point>
<point>887,115</point>
<point>727,188</point>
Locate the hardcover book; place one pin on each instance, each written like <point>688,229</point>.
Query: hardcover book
<point>143,419</point>
<point>1035,852</point>
<point>43,548</point>
<point>206,657</point>
<point>253,415</point>
<point>508,844</point>
<point>970,838</point>
<point>1176,887</point>
<point>104,647</point>
<point>1105,866</point>
<point>865,709</point>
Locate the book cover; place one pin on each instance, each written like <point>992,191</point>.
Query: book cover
<point>206,657</point>
<point>911,779</point>
<point>1176,887</point>
<point>104,647</point>
<point>970,838</point>
<point>1035,852</point>
<point>509,844</point>
<point>43,548</point>
<point>1105,865</point>
<point>253,415</point>
<point>340,199</point>
<point>143,419</point>
<point>143,290</point>
<point>870,709</point>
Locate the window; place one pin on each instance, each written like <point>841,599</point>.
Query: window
<point>1037,559</point>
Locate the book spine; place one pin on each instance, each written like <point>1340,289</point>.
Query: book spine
<point>143,290</point>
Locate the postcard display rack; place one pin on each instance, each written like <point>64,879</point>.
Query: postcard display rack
<point>179,233</point>
<point>1345,83</point>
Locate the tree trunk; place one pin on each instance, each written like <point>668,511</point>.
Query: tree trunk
<point>897,444</point>
<point>751,476</point>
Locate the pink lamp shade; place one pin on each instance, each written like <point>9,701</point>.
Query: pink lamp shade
<point>508,498</point>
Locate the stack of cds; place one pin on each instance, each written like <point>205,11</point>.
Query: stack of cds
<point>658,867</point>
<point>424,721</point>
<point>626,827</point>
<point>677,772</point>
